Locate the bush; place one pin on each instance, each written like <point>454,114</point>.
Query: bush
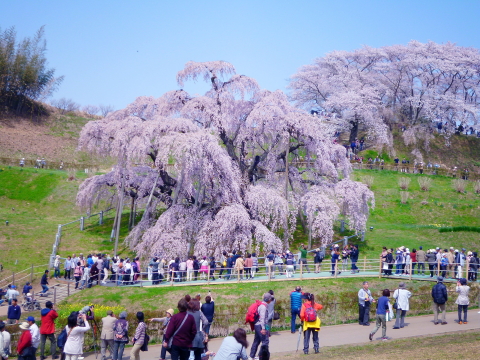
<point>459,185</point>
<point>403,182</point>
<point>425,183</point>
<point>368,180</point>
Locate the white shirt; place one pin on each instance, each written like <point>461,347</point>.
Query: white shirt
<point>35,335</point>
<point>6,341</point>
<point>12,294</point>
<point>74,344</point>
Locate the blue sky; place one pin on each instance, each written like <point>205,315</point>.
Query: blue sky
<point>110,52</point>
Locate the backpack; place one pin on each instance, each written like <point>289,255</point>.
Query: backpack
<point>310,313</point>
<point>62,339</point>
<point>264,353</point>
<point>252,314</point>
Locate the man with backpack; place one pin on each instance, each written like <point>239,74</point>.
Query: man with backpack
<point>261,327</point>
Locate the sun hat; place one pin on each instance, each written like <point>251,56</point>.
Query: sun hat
<point>401,285</point>
<point>123,315</point>
<point>170,311</point>
<point>24,326</point>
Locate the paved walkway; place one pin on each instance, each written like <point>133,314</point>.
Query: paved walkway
<point>284,341</point>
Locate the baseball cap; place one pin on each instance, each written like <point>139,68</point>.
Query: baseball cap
<point>30,318</point>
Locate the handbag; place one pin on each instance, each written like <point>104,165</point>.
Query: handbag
<point>276,315</point>
<point>169,344</point>
<point>146,339</point>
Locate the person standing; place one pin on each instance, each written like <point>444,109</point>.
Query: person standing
<point>47,330</point>
<point>311,323</point>
<point>4,341</point>
<point>11,294</point>
<point>67,267</point>
<point>181,330</point>
<point>318,259</point>
<point>382,309</point>
<point>402,296</point>
<point>271,310</point>
<point>77,274</point>
<point>440,297</point>
<point>413,258</point>
<point>421,257</point>
<point>295,306</point>
<point>365,299</point>
<point>35,332</point>
<point>120,329</point>
<point>432,260</point>
<point>56,267</point>
<point>261,328</point>
<point>106,336</point>
<point>462,300</point>
<point>165,321</point>
<point>139,337</point>
<point>75,337</point>
<point>354,254</point>
<point>208,309</point>
<point>25,342</point>
<point>14,313</point>
<point>303,257</point>
<point>248,266</point>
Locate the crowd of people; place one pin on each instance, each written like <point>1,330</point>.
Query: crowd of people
<point>450,263</point>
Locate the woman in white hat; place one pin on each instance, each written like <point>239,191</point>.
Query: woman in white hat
<point>164,320</point>
<point>25,341</point>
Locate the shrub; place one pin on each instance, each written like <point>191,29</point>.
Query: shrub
<point>476,186</point>
<point>403,182</point>
<point>459,185</point>
<point>425,183</point>
<point>424,202</point>
<point>368,180</point>
<point>404,197</point>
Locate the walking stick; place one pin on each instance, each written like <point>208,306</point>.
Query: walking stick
<point>299,335</point>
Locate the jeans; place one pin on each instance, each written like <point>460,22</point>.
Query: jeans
<point>381,321</point>
<point>118,347</point>
<point>463,308</point>
<point>364,314</point>
<point>399,268</point>
<point>421,265</point>
<point>306,339</point>
<point>206,328</point>
<point>400,321</point>
<point>413,268</point>
<point>53,344</point>
<point>56,273</point>
<point>45,288</point>
<point>295,312</point>
<point>179,353</point>
<point>259,338</point>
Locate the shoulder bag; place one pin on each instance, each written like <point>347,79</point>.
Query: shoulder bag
<point>169,345</point>
<point>146,339</point>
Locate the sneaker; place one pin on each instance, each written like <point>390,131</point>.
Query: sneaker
<point>465,322</point>
<point>396,327</point>
<point>370,336</point>
<point>460,323</point>
<point>384,338</point>
<point>436,323</point>
<point>444,323</point>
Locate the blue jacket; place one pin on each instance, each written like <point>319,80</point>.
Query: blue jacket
<point>208,310</point>
<point>382,305</point>
<point>295,300</point>
<point>439,293</point>
<point>14,312</point>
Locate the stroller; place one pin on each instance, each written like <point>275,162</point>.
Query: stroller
<point>30,303</point>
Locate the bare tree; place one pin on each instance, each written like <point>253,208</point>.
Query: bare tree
<point>91,110</point>
<point>105,109</point>
<point>65,105</point>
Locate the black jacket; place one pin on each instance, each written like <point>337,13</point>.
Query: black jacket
<point>439,293</point>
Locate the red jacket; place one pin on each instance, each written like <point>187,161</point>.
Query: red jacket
<point>48,321</point>
<point>24,341</point>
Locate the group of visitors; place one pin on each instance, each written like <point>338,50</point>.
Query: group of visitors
<point>401,296</point>
<point>450,263</point>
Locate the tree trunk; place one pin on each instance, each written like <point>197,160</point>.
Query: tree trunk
<point>354,130</point>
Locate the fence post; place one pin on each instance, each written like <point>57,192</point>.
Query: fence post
<point>208,275</point>
<point>336,266</point>
<point>31,274</point>
<point>82,223</point>
<point>13,277</point>
<point>466,269</point>
<point>438,267</point>
<point>301,270</point>
<point>172,275</point>
<point>364,264</point>
<point>381,268</point>
<point>100,218</point>
<point>410,270</point>
<point>55,295</point>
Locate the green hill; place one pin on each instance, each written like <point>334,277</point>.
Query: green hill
<point>35,201</point>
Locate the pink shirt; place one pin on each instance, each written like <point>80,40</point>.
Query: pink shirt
<point>190,264</point>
